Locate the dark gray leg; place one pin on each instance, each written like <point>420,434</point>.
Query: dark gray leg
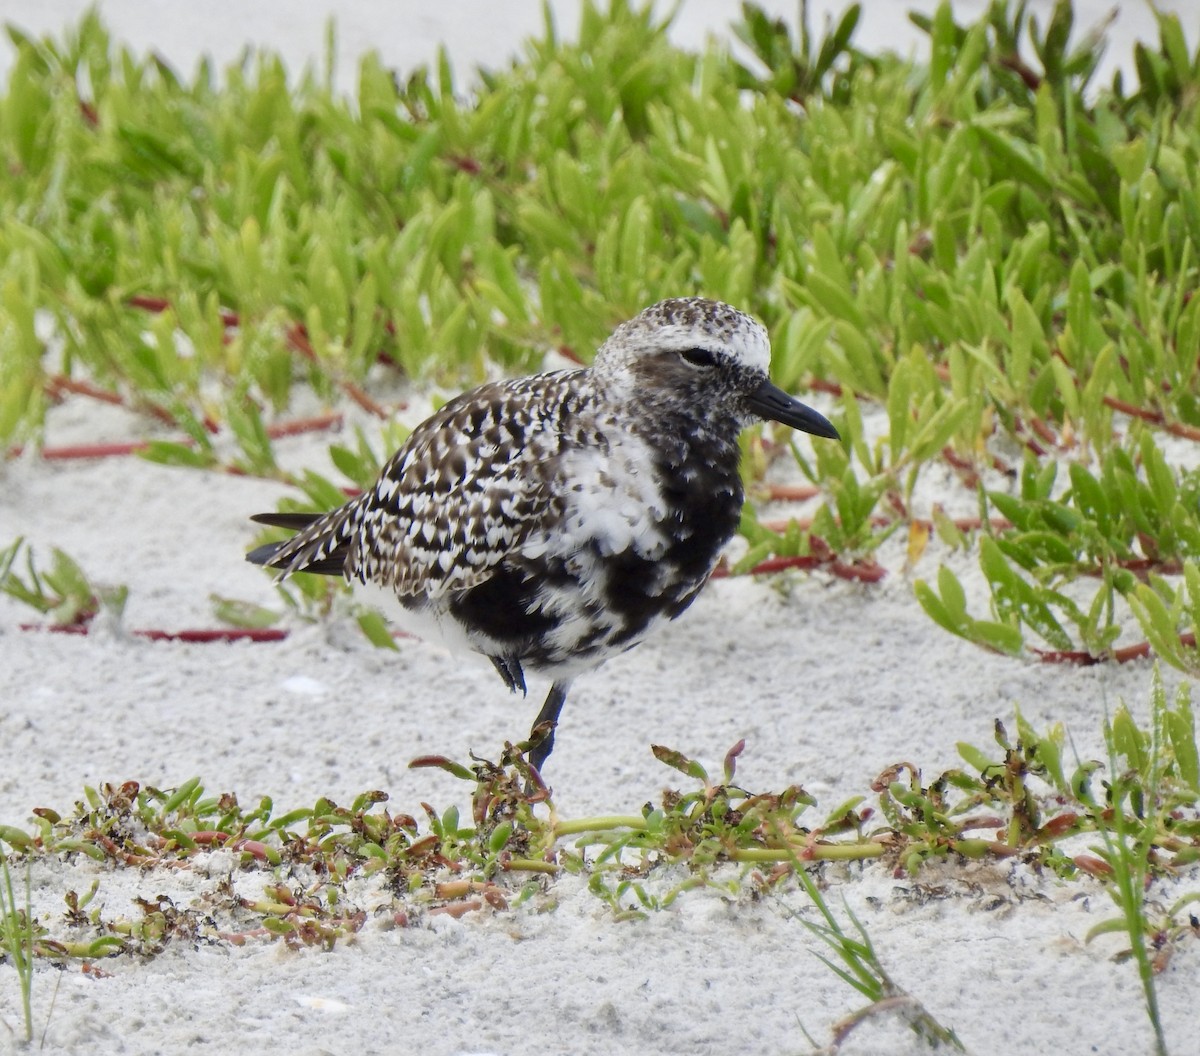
<point>549,713</point>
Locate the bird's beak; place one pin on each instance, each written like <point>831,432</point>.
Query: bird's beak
<point>771,402</point>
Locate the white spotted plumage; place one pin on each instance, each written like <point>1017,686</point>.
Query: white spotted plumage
<point>550,522</point>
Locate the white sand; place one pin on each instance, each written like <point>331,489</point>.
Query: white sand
<point>828,681</point>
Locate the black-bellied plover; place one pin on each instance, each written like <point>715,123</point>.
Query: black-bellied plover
<point>551,522</point>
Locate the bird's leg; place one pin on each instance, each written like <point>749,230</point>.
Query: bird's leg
<point>511,671</point>
<point>549,713</point>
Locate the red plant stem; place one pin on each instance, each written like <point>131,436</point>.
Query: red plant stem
<point>131,447</point>
<point>790,492</point>
<point>962,467</point>
<point>1121,656</point>
<point>897,503</point>
<point>1188,432</point>
<point>71,451</point>
<point>1027,440</point>
<point>1078,657</point>
<point>297,337</point>
<point>778,564</point>
<point>1140,567</point>
<point>963,524</point>
<point>238,938</point>
<point>359,396</point>
<point>1044,432</point>
<point>465,164</point>
<point>833,388</point>
<point>304,425</point>
<point>457,909</point>
<point>217,634</point>
<point>60,383</point>
<point>204,634</point>
<point>150,304</point>
<point>161,304</point>
<point>863,571</point>
<point>1014,62</point>
<point>251,847</point>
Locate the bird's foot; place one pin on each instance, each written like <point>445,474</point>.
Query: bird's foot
<point>511,671</point>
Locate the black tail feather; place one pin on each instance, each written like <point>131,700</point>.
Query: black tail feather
<point>332,565</point>
<point>295,521</point>
<point>261,555</point>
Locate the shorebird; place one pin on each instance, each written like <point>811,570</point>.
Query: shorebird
<point>551,522</point>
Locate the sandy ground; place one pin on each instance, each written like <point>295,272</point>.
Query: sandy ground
<point>828,681</point>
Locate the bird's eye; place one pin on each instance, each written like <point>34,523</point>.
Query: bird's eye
<point>699,357</point>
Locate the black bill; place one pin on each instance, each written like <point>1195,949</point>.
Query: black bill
<point>771,402</point>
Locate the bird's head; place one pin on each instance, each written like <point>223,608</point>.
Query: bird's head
<point>704,358</point>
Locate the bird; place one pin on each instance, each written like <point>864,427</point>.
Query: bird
<point>552,522</point>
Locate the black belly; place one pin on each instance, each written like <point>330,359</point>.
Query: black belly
<point>637,591</point>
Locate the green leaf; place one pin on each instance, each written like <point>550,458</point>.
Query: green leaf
<point>1001,637</point>
<point>935,610</point>
<point>17,839</point>
<point>442,763</point>
<point>374,625</point>
<point>171,453</point>
<point>1174,46</point>
<point>1112,926</point>
<point>1014,598</point>
<point>189,790</point>
<point>974,757</point>
<point>1129,741</point>
<point>1089,498</point>
<point>678,761</point>
<point>243,613</point>
<point>1015,158</point>
<point>1181,731</point>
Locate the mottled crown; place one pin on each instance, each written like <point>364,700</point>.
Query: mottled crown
<point>688,322</point>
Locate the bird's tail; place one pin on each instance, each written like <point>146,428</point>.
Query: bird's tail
<point>266,554</point>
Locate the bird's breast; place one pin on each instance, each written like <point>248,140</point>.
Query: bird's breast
<point>639,532</point>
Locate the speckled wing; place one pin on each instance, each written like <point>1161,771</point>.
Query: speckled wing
<point>463,492</point>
